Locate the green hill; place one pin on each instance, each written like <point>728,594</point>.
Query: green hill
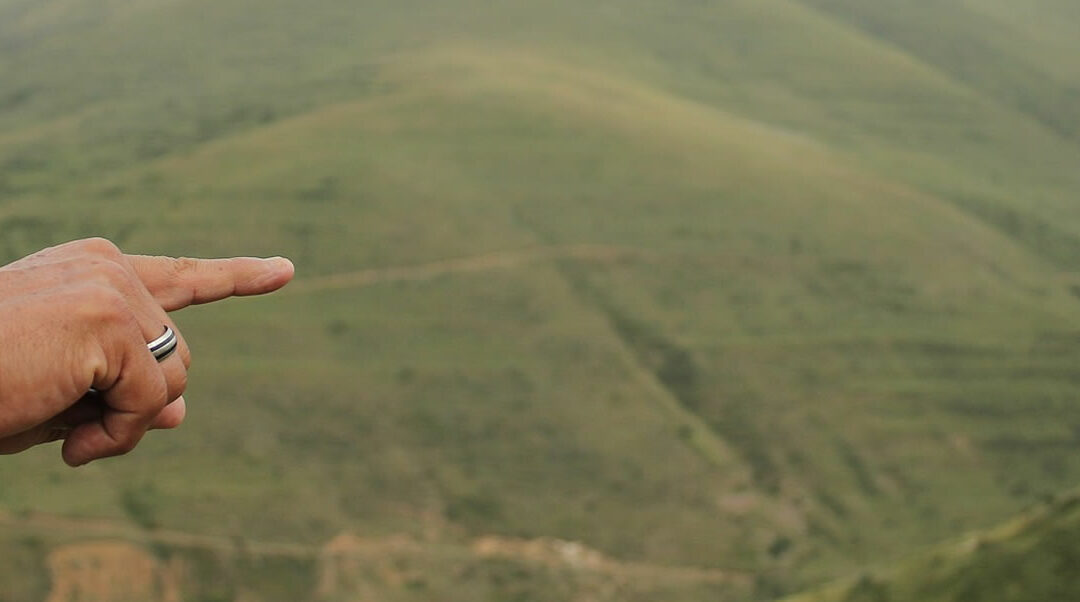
<point>779,288</point>
<point>1031,558</point>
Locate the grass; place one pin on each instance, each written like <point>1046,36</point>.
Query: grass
<point>1028,558</point>
<point>839,314</point>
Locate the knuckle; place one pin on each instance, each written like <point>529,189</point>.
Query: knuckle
<point>111,272</point>
<point>157,396</point>
<point>127,443</point>
<point>182,266</point>
<point>185,265</point>
<point>178,384</point>
<point>103,303</point>
<point>183,351</point>
<point>95,363</point>
<point>99,246</point>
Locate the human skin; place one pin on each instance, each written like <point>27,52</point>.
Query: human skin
<point>78,316</point>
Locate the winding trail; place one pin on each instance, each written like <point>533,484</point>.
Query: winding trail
<point>602,254</point>
<point>115,529</point>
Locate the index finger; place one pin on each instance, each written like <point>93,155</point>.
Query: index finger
<point>177,282</point>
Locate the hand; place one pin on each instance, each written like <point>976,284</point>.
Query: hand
<point>78,316</point>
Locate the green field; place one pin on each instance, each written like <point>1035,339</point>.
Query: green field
<point>743,296</point>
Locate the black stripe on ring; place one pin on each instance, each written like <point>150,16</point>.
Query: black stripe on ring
<point>163,346</point>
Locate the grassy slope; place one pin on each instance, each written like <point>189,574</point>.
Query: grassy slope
<point>837,315</point>
<point>129,564</point>
<point>1030,558</point>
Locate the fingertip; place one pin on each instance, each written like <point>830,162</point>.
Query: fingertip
<point>92,441</point>
<point>285,267</point>
<point>74,450</point>
<point>172,416</point>
<point>277,272</point>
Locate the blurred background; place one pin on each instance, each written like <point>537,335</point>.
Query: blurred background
<point>596,301</point>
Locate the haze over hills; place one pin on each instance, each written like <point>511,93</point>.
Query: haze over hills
<point>765,288</point>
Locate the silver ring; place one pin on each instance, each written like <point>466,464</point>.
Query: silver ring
<point>163,346</point>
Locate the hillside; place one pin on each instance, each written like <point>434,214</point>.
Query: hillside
<point>1030,558</point>
<point>763,286</point>
<point>71,560</point>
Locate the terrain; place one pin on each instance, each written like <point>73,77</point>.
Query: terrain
<point>770,288</point>
<point>1032,557</point>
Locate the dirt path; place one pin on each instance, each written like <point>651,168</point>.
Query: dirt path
<point>481,263</point>
<point>104,528</point>
<point>543,551</point>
